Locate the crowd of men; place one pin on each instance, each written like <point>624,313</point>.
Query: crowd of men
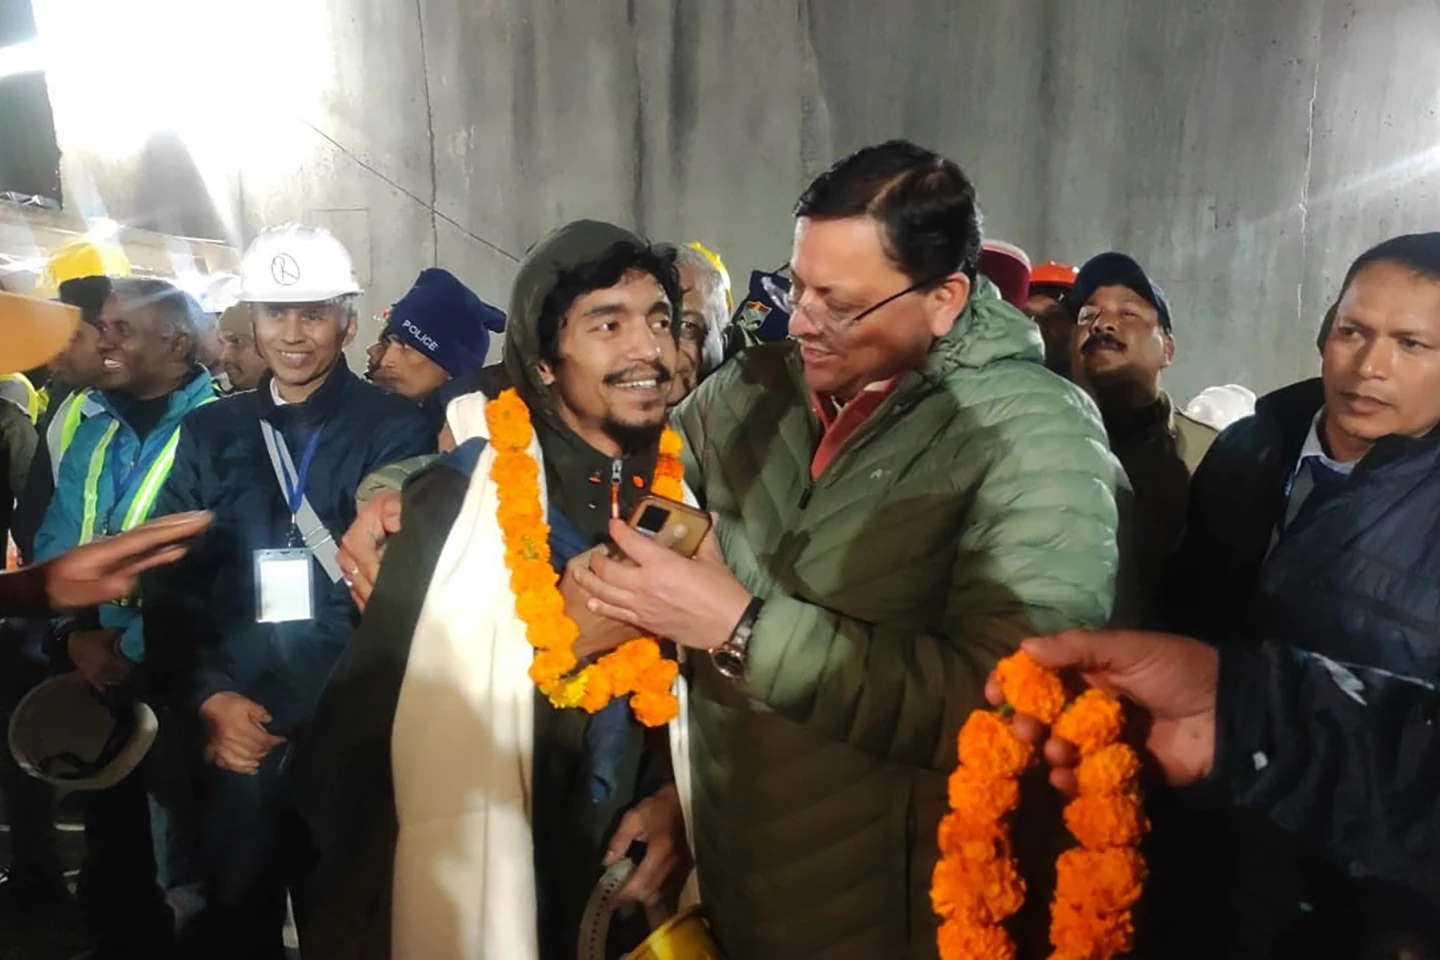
<point>917,452</point>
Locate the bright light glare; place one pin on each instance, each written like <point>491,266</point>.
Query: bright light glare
<point>135,68</point>
<point>21,58</point>
<point>103,228</point>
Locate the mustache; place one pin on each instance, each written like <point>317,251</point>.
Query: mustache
<point>659,371</point>
<point>1101,339</point>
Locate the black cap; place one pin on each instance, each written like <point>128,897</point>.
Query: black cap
<point>1119,270</point>
<point>89,294</point>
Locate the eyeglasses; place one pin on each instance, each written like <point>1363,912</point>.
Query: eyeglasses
<point>1090,315</point>
<point>823,315</point>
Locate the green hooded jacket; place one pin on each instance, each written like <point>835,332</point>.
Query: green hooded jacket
<point>975,507</point>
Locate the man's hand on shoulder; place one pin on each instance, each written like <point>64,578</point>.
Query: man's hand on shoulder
<point>363,546</point>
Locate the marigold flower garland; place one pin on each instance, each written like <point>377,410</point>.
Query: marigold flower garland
<point>635,667</point>
<point>977,885</point>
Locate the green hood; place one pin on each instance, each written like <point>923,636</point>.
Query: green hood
<point>565,249</point>
<point>990,329</point>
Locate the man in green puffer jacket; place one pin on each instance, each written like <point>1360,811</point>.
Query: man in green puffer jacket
<point>902,494</point>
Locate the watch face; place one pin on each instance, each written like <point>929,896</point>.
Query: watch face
<point>728,662</point>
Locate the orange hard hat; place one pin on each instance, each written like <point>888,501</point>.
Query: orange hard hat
<point>33,331</point>
<point>1052,274</point>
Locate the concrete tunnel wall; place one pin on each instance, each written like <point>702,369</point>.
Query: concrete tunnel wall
<point>1244,151</point>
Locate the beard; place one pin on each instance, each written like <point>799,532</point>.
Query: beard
<point>634,438</point>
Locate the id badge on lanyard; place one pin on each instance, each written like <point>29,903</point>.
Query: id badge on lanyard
<point>282,586</point>
<point>282,577</point>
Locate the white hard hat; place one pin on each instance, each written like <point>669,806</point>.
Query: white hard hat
<point>296,264</point>
<point>1221,406</point>
<point>218,292</point>
<point>63,733</point>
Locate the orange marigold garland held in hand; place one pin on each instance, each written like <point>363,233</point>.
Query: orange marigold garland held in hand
<point>636,667</point>
<point>977,885</point>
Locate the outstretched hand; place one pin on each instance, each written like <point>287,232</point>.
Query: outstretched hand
<point>106,570</point>
<point>1172,679</point>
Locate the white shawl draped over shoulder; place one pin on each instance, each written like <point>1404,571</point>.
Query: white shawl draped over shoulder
<point>462,746</point>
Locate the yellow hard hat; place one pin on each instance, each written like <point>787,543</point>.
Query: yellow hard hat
<point>82,257</point>
<point>32,331</point>
<point>718,264</point>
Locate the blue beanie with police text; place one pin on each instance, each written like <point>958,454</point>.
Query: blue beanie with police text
<point>444,320</point>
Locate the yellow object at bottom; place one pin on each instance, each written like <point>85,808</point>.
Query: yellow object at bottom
<point>684,936</point>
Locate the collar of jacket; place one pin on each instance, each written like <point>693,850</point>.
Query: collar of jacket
<point>317,407</point>
<point>183,399</point>
<point>1156,419</point>
<point>1290,411</point>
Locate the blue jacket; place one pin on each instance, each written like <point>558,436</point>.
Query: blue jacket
<point>126,477</point>
<point>200,613</point>
<point>1357,580</point>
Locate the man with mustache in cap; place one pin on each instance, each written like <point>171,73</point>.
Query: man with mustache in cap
<point>1123,340</point>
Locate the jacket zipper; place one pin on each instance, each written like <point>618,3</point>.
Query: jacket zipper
<point>616,469</point>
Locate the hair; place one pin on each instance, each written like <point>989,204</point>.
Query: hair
<point>87,293</point>
<point>717,313</point>
<point>1418,253</point>
<point>601,273</point>
<point>177,310</point>
<point>925,205</point>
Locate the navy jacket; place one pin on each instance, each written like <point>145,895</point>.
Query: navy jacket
<point>200,627</point>
<point>1355,580</point>
<point>1358,579</point>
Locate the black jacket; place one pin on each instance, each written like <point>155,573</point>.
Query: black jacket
<point>34,499</point>
<point>201,632</point>
<point>1357,580</point>
<point>17,447</point>
<point>1290,723</point>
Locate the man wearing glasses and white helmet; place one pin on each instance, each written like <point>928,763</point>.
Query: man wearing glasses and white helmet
<point>247,628</point>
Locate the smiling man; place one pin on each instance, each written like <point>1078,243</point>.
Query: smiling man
<point>442,775</point>
<point>1123,339</point>
<point>112,470</point>
<point>903,492</point>
<point>245,631</point>
<point>241,360</point>
<point>1313,524</point>
<point>705,313</point>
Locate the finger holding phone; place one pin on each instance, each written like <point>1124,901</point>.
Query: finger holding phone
<point>694,601</point>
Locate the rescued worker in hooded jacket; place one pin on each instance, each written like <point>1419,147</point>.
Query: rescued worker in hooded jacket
<point>1313,525</point>
<point>458,811</point>
<point>245,631</point>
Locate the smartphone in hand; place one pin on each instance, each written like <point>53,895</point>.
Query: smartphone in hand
<point>683,526</point>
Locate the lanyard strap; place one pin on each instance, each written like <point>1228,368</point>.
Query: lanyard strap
<point>318,540</point>
<point>292,481</point>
